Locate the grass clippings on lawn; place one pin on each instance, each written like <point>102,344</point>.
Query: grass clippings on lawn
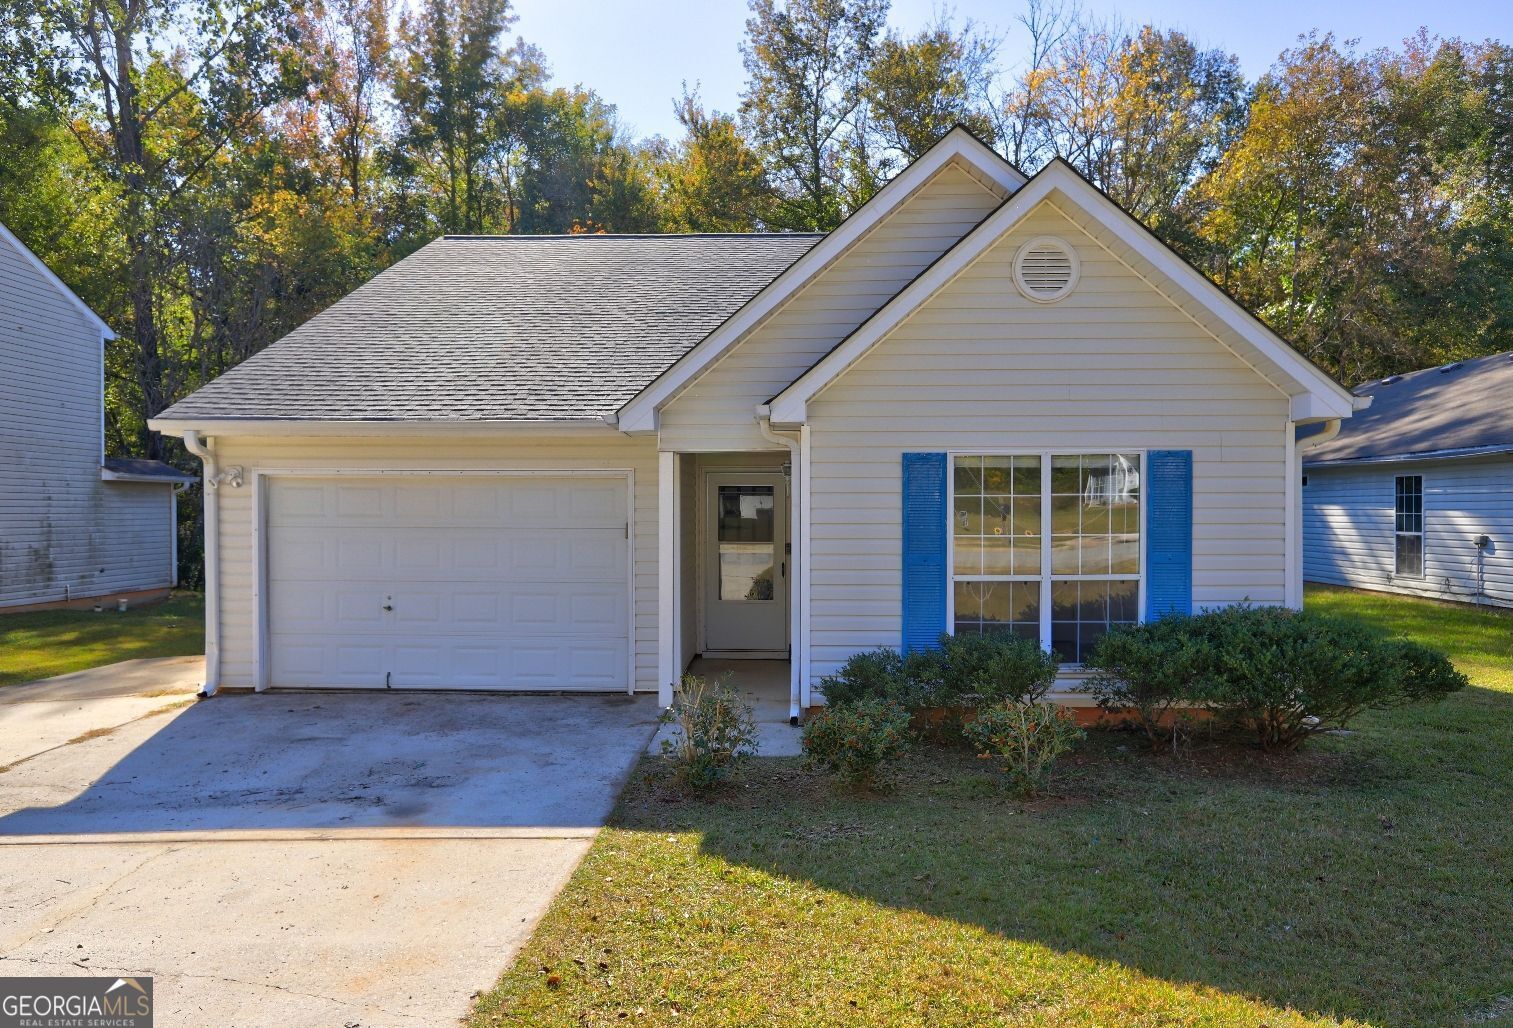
<point>41,644</point>
<point>1363,880</point>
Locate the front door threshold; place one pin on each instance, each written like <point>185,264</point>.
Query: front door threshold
<point>745,654</point>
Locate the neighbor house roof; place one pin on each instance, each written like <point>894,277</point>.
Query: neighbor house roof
<point>502,329</point>
<point>139,469</point>
<point>1459,409</point>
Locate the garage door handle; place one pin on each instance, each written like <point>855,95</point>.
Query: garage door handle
<point>388,606</point>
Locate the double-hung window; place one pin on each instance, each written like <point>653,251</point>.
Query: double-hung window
<point>1409,527</point>
<point>1047,546</point>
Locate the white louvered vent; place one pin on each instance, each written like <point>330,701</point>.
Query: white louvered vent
<point>1046,269</point>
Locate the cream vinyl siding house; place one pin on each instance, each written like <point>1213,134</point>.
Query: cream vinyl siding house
<point>73,525</point>
<point>1115,367</point>
<point>403,483</point>
<point>714,415</point>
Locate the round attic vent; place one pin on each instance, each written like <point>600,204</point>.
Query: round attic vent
<point>1046,269</point>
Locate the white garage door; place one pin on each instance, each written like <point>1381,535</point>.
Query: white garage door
<point>448,582</point>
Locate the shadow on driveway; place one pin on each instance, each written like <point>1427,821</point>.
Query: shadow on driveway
<point>307,761</point>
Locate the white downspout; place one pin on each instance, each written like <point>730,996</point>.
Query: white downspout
<point>206,453</point>
<point>796,613</point>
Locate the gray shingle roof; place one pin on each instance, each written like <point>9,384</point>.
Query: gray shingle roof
<point>1463,407</point>
<point>504,328</point>
<point>140,467</point>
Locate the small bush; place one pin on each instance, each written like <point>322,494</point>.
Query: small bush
<point>1287,675</point>
<point>966,671</point>
<point>852,741</point>
<point>871,675</point>
<point>1025,739</point>
<point>1151,674</point>
<point>1423,675</point>
<point>716,731</point>
<point>983,670</point>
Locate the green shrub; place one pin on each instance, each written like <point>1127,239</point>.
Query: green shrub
<point>983,670</point>
<point>1423,675</point>
<point>852,741</point>
<point>1025,739</point>
<point>966,671</point>
<point>871,675</point>
<point>1287,675</point>
<point>716,730</point>
<point>1151,675</point>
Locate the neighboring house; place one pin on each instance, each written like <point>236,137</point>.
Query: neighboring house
<point>982,403</point>
<point>1415,495</point>
<point>74,524</point>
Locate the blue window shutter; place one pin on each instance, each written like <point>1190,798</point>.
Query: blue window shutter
<point>924,597</point>
<point>1169,532</point>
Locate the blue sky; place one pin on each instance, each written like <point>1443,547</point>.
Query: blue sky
<point>636,54</point>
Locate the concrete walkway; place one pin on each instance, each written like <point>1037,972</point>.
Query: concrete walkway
<point>763,684</point>
<point>38,716</point>
<point>298,860</point>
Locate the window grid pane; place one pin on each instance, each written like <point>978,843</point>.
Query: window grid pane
<point>1094,545</point>
<point>996,516</point>
<point>1408,523</point>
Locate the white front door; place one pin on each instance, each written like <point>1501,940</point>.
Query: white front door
<point>746,564</point>
<point>511,581</point>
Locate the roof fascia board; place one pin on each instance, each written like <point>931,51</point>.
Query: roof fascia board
<point>374,429</point>
<point>1328,398</point>
<point>1403,458</point>
<point>57,283</point>
<point>639,414</point>
<point>119,476</point>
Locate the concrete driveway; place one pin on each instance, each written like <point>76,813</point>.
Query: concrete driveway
<point>306,859</point>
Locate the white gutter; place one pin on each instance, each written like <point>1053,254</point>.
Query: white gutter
<point>1313,442</point>
<point>796,611</point>
<point>451,429</point>
<point>214,478</point>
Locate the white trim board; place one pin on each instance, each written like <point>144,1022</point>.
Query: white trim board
<point>640,413</point>
<point>1316,395</point>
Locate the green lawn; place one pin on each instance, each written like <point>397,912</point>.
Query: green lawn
<point>1365,879</point>
<point>55,642</point>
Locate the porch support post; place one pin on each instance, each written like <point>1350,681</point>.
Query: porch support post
<point>1292,520</point>
<point>669,603</point>
<point>800,660</point>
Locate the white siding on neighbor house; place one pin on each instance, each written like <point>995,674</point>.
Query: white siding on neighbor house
<point>63,532</point>
<point>1114,366</point>
<point>596,451</point>
<point>1349,538</point>
<point>717,411</point>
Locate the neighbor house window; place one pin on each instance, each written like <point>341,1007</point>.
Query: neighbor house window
<point>1046,546</point>
<point>1410,526</point>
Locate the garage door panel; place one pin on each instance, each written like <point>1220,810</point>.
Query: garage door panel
<point>450,664</point>
<point>483,501</point>
<point>379,554</point>
<point>507,583</point>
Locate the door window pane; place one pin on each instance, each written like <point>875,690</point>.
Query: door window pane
<point>747,554</point>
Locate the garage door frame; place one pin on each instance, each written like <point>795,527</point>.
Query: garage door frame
<point>260,535</point>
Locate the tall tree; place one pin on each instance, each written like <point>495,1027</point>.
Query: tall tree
<point>449,85</point>
<point>918,87</point>
<point>154,90</point>
<point>806,64</point>
<point>713,181</point>
<point>349,43</point>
